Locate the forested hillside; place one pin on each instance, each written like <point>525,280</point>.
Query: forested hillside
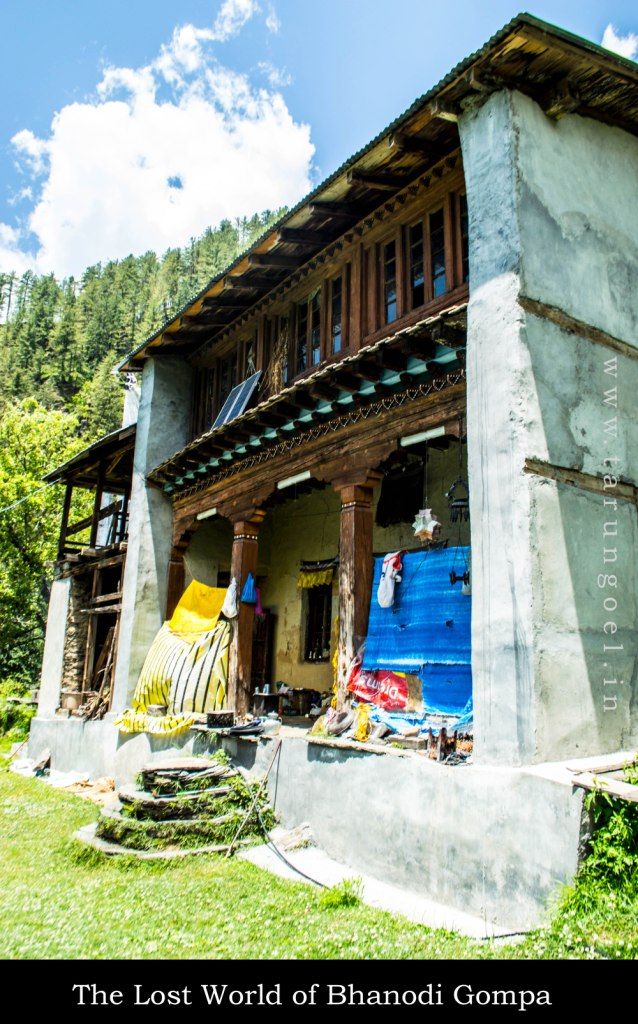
<point>59,342</point>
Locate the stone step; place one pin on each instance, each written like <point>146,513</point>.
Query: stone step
<point>87,835</point>
<point>147,834</point>
<point>168,782</point>
<point>139,803</point>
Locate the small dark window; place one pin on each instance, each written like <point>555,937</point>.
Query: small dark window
<point>227,377</point>
<point>301,349</point>
<point>318,613</point>
<point>465,257</point>
<point>389,282</point>
<point>250,358</point>
<point>437,253</point>
<point>336,314</point>
<point>417,276</point>
<point>315,328</point>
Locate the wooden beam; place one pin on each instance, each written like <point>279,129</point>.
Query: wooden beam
<point>409,143</point>
<point>583,481</point>
<point>613,787</point>
<point>231,304</point>
<point>391,358</point>
<point>322,391</point>
<point>273,259</point>
<point>304,236</point>
<point>379,182</point>
<point>562,99</point>
<point>347,381</point>
<point>448,334</point>
<point>342,211</point>
<point>66,508</point>
<point>444,110</point>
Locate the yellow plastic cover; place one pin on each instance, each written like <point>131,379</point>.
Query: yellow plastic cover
<point>198,609</point>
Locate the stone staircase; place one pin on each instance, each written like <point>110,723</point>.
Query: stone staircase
<point>182,806</point>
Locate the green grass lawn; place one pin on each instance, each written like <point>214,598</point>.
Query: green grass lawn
<point>59,901</point>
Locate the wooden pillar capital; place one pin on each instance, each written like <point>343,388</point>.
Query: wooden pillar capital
<point>353,480</point>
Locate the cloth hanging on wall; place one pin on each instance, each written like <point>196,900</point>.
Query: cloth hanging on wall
<point>316,574</point>
<point>426,630</point>
<point>401,495</point>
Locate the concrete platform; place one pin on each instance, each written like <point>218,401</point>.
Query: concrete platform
<point>315,864</point>
<point>493,843</point>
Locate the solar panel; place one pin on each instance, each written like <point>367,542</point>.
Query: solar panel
<point>237,400</point>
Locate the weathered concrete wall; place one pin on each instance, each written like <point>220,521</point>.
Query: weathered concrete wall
<point>162,428</point>
<point>53,660</point>
<point>551,218</point>
<point>209,551</point>
<point>494,842</point>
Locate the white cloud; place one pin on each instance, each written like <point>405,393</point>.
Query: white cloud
<point>12,258</point>
<point>277,77</point>
<point>273,23</point>
<point>233,15</point>
<point>160,153</point>
<point>626,46</point>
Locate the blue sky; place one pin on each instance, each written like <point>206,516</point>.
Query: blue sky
<point>132,125</point>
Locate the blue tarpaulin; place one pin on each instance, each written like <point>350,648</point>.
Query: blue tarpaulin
<point>426,631</point>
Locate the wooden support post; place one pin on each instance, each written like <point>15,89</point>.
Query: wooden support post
<point>243,560</point>
<point>175,582</point>
<point>68,494</point>
<point>355,567</point>
<point>97,504</point>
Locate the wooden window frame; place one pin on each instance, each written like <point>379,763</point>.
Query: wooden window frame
<point>458,239</point>
<point>311,594</point>
<point>306,304</point>
<point>395,237</point>
<point>344,277</point>
<point>253,339</point>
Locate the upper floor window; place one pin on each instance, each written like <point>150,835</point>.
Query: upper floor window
<point>336,315</point>
<point>389,281</point>
<point>301,338</point>
<point>437,254</point>
<point>416,269</point>
<point>227,376</point>
<point>307,339</point>
<point>315,328</point>
<point>250,357</point>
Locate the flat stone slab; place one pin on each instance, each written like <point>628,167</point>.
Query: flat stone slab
<point>87,836</point>
<point>180,764</point>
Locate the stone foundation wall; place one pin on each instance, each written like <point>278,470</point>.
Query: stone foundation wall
<point>77,627</point>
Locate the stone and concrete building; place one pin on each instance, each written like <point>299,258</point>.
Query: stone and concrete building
<point>462,293</point>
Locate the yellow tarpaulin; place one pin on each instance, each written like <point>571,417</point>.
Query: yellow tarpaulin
<point>198,609</point>
<point>186,668</point>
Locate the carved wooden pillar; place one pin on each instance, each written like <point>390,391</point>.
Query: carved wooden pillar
<point>243,560</point>
<point>355,567</point>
